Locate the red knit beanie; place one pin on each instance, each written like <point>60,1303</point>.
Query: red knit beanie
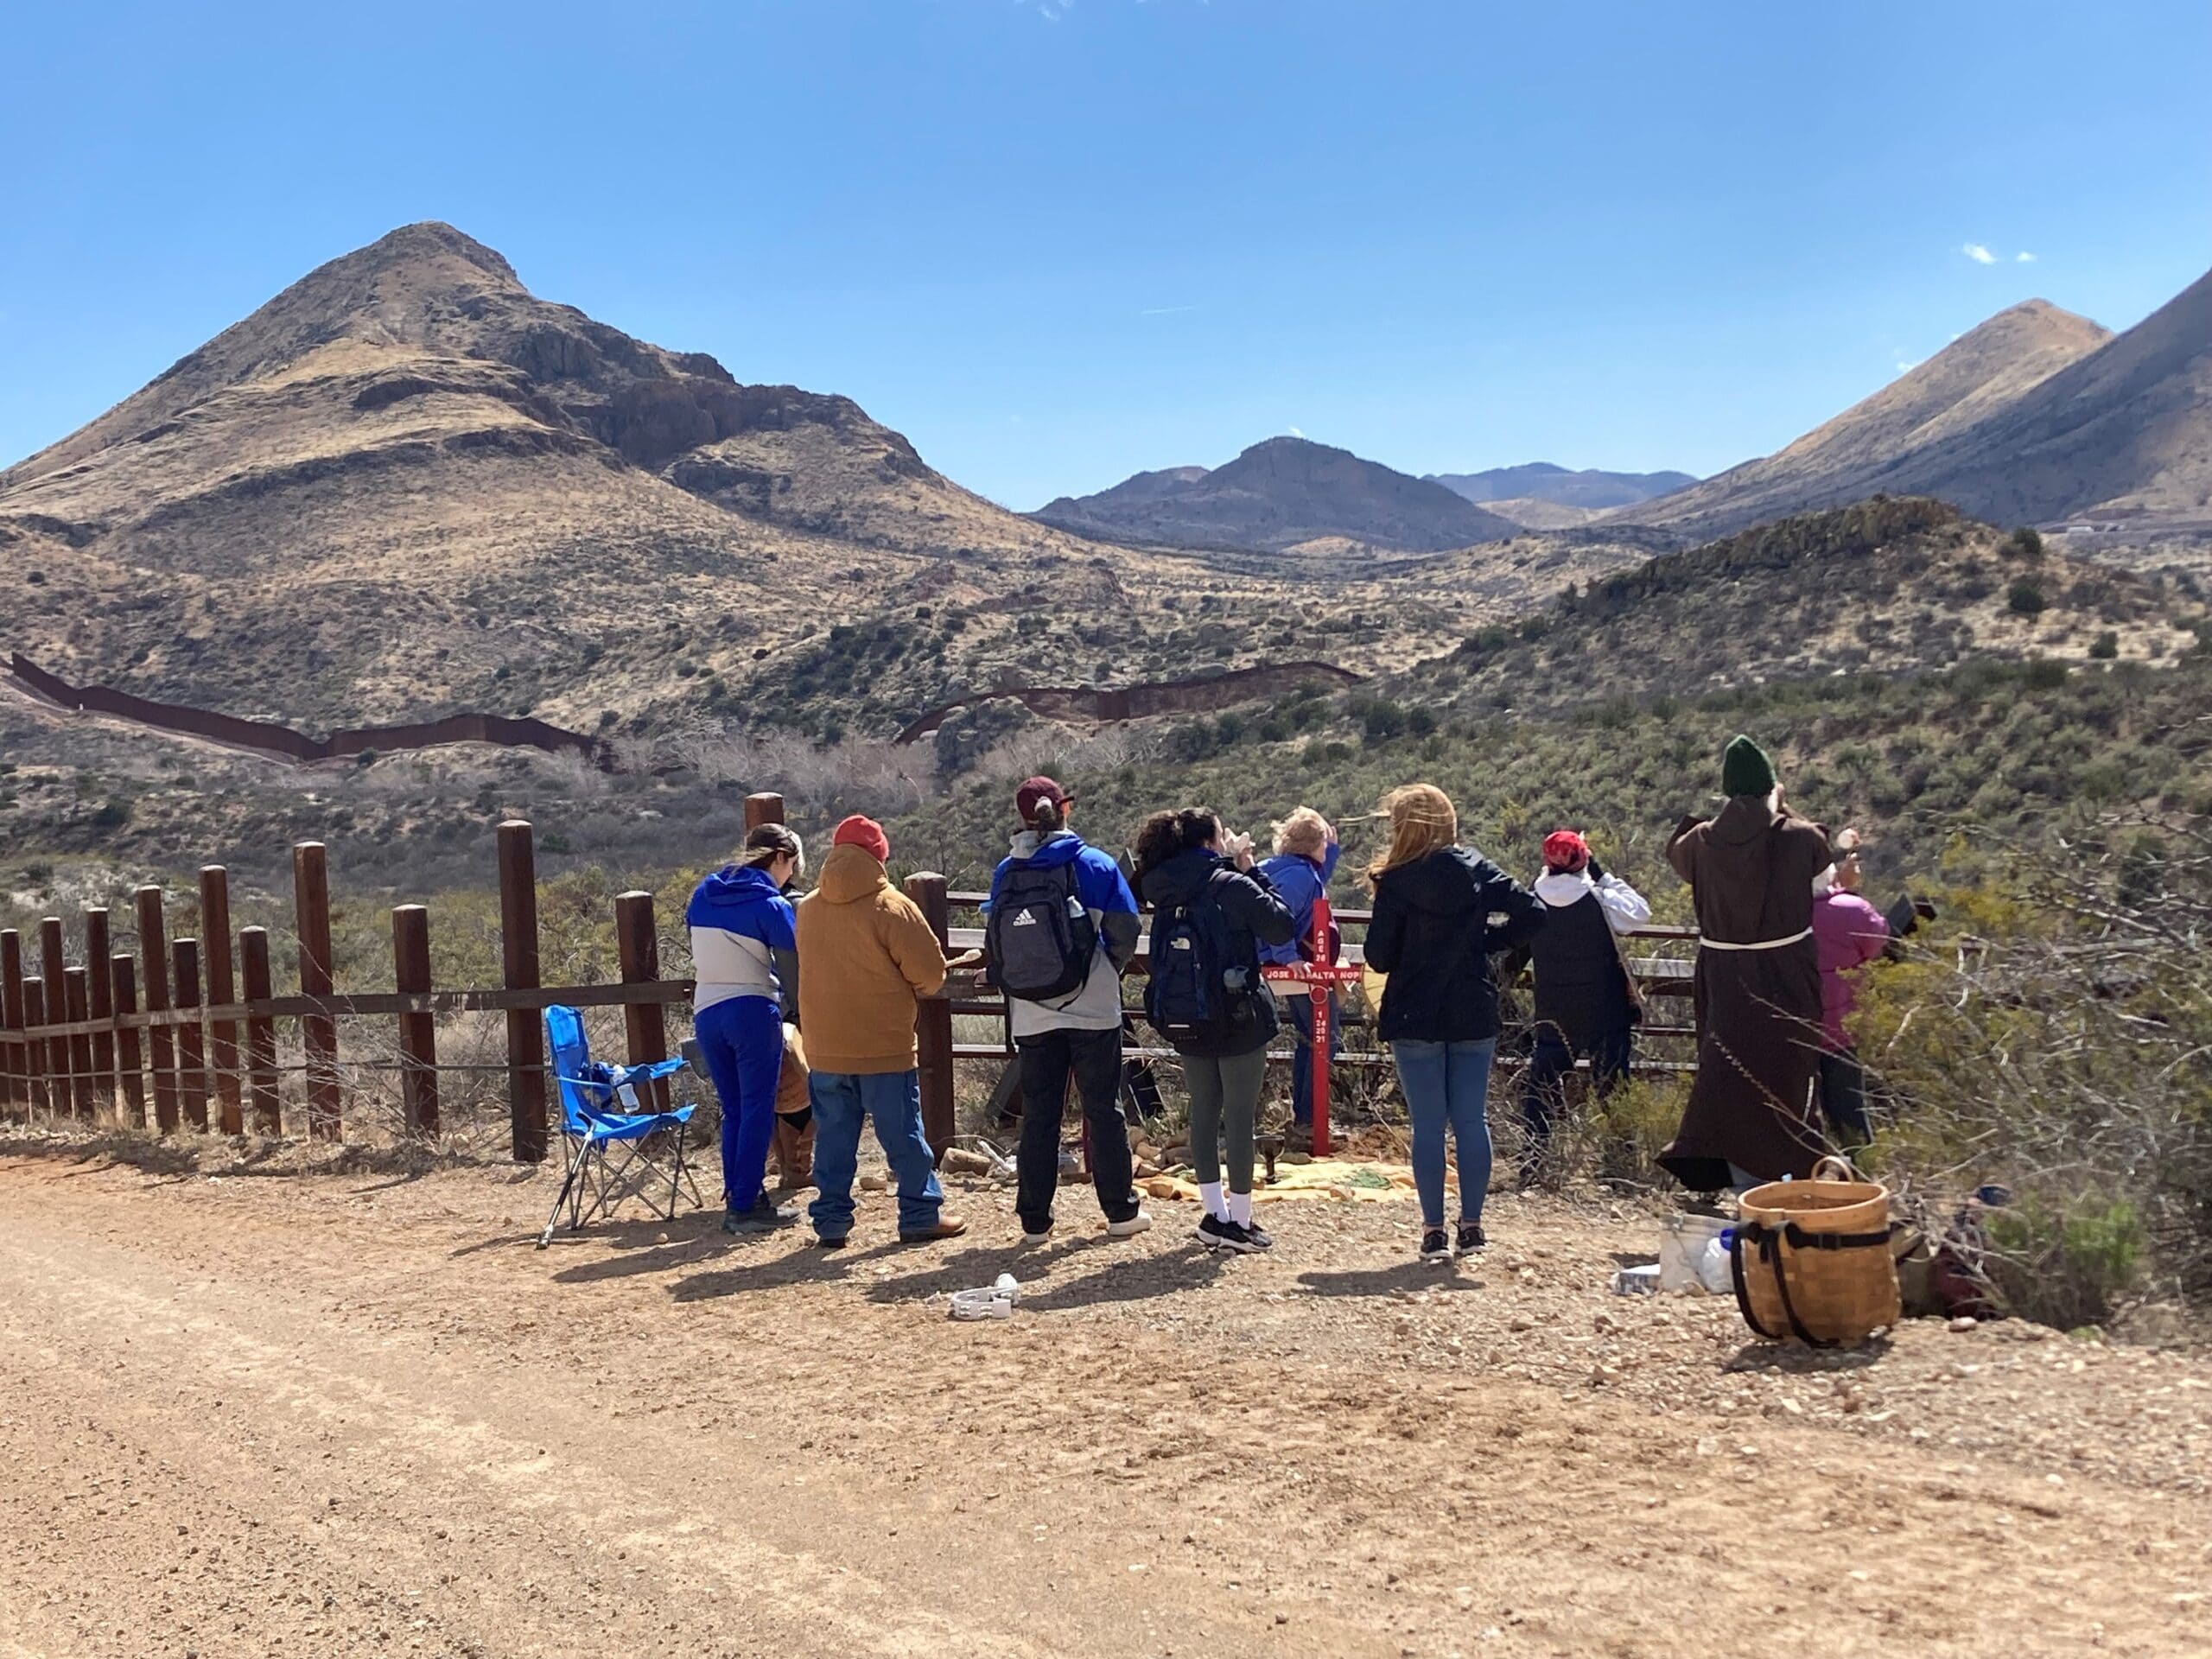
<point>865,834</point>
<point>1564,850</point>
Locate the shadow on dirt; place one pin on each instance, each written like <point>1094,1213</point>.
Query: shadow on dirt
<point>1791,1358</point>
<point>806,1265</point>
<point>1406,1276</point>
<point>1131,1279</point>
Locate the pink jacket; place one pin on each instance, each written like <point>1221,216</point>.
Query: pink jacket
<point>1848,931</point>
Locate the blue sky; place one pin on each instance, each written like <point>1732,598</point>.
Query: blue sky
<point>1055,241</point>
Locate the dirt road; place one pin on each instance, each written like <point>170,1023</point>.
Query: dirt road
<point>358,1413</point>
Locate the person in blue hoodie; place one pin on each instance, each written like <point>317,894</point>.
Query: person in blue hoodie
<point>1062,925</point>
<point>744,954</point>
<point>1304,858</point>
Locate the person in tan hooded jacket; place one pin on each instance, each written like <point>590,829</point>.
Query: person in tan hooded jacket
<point>866,956</point>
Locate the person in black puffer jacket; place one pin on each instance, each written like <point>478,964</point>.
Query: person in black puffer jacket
<point>1188,869</point>
<point>1433,936</point>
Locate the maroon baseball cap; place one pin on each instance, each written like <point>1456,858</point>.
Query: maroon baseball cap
<point>1036,792</point>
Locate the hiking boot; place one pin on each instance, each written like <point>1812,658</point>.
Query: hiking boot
<point>1129,1226</point>
<point>764,1216</point>
<point>944,1227</point>
<point>1434,1246</point>
<point>1470,1239</point>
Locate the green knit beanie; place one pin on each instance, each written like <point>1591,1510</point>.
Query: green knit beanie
<point>1744,768</point>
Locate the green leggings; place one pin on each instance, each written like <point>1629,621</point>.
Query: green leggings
<point>1224,1089</point>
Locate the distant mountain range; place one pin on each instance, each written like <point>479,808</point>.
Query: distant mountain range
<point>1277,495</point>
<point>2035,417</point>
<point>1540,481</point>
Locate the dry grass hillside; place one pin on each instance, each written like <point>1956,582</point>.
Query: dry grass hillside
<point>1887,586</point>
<point>1983,371</point>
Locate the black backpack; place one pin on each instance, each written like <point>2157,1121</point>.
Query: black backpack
<point>1187,998</point>
<point>1041,935</point>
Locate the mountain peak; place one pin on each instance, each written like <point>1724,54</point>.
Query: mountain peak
<point>429,238</point>
<point>1280,492</point>
<point>1993,365</point>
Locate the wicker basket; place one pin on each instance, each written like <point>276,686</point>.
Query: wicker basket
<point>1813,1259</point>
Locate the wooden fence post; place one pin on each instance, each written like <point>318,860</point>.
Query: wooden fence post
<point>35,1050</point>
<point>525,1026</point>
<point>222,989</point>
<point>640,949</point>
<point>76,1004</point>
<point>53,993</point>
<point>99,987</point>
<point>764,808</point>
<point>934,1019</point>
<point>418,1032</point>
<point>260,1032</point>
<point>15,1072</point>
<point>130,1056</point>
<point>311,918</point>
<point>191,1039</point>
<point>154,992</point>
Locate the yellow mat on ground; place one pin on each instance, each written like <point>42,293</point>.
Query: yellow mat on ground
<point>1346,1180</point>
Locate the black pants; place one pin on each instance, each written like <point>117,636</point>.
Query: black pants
<point>1543,1092</point>
<point>1843,1098</point>
<point>1095,1058</point>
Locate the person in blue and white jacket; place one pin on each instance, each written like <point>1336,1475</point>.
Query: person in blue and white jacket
<point>1305,859</point>
<point>1077,1032</point>
<point>744,955</point>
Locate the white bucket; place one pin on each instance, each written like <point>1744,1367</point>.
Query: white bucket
<point>1682,1239</point>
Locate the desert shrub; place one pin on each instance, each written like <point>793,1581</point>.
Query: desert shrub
<point>2105,647</point>
<point>2057,1037</point>
<point>2023,544</point>
<point>2072,1261</point>
<point>2025,598</point>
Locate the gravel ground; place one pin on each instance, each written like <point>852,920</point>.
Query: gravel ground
<point>355,1411</point>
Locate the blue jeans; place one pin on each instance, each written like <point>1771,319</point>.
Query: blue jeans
<point>741,1039</point>
<point>894,1099</point>
<point>1448,1083</point>
<point>1301,1009</point>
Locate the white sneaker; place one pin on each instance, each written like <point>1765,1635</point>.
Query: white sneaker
<point>1038,1238</point>
<point>1140,1223</point>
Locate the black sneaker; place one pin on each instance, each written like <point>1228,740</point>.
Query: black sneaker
<point>1213,1231</point>
<point>1261,1240</point>
<point>830,1240</point>
<point>1470,1239</point>
<point>1434,1246</point>
<point>1235,1236</point>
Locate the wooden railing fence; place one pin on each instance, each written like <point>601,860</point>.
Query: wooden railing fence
<point>185,1033</point>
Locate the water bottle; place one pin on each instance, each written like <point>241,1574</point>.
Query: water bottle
<point>1714,1270</point>
<point>1008,1286</point>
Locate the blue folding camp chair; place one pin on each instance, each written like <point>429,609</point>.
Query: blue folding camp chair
<point>600,1111</point>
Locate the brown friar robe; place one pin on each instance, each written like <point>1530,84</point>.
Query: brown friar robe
<point>1750,871</point>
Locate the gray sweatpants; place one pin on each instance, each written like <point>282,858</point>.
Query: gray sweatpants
<point>1224,1090</point>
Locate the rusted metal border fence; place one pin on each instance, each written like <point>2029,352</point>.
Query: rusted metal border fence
<point>169,1038</point>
